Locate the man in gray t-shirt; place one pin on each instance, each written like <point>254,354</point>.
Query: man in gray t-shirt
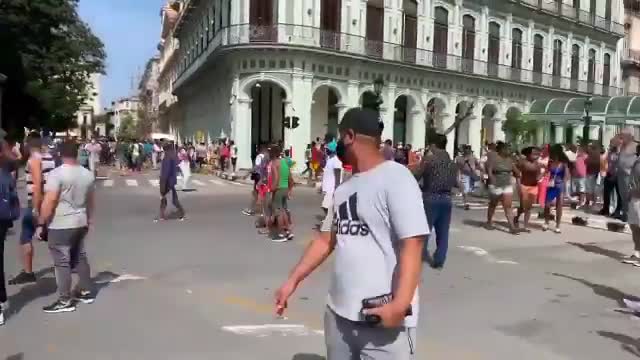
<point>67,210</point>
<point>376,228</point>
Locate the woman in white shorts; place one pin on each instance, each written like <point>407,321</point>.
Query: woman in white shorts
<point>500,169</point>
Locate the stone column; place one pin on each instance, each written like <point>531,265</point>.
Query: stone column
<point>353,94</point>
<point>387,110</point>
<point>342,109</point>
<point>448,118</point>
<point>577,133</point>
<point>300,106</point>
<point>559,135</point>
<point>241,127</point>
<point>416,128</point>
<point>498,119</point>
<point>475,127</point>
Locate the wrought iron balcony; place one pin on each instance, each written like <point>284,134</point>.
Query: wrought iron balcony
<point>581,16</point>
<point>310,37</point>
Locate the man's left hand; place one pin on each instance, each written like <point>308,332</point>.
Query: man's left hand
<point>392,315</point>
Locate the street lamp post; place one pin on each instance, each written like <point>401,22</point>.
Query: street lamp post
<point>586,129</point>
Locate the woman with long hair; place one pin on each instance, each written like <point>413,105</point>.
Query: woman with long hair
<point>500,169</point>
<point>558,175</point>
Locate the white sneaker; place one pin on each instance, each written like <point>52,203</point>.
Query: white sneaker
<point>3,307</point>
<point>632,305</point>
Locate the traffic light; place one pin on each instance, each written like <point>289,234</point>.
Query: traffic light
<point>295,122</point>
<point>287,122</point>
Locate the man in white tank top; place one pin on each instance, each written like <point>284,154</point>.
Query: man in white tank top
<point>40,163</point>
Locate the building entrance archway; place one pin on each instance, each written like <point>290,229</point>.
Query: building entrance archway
<point>324,112</point>
<point>489,112</point>
<point>267,114</point>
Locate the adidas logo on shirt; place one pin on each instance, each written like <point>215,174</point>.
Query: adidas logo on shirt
<point>347,221</point>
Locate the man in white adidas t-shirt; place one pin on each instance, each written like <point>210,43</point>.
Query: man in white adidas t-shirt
<point>376,229</point>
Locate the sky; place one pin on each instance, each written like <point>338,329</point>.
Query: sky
<point>130,31</point>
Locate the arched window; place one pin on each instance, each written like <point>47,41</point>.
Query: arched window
<point>575,61</point>
<point>557,57</point>
<point>538,51</point>
<point>591,71</point>
<point>516,48</point>
<point>440,36</point>
<point>606,70</point>
<point>468,42</point>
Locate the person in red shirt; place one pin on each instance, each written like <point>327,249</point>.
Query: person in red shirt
<point>316,158</point>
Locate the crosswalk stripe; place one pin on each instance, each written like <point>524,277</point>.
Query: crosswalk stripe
<point>217,182</point>
<point>197,182</point>
<point>108,183</point>
<point>132,182</point>
<point>154,182</point>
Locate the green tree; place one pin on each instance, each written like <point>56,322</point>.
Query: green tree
<point>518,128</point>
<point>127,129</point>
<point>49,55</point>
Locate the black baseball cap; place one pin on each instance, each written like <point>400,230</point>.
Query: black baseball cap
<point>362,121</point>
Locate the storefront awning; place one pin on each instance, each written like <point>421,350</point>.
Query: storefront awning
<point>617,110</point>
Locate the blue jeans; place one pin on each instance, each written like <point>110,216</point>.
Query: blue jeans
<point>438,209</point>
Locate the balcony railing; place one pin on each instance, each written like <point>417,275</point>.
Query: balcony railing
<point>585,17</point>
<point>305,36</point>
<point>630,55</point>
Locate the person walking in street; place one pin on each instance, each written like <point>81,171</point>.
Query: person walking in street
<point>8,214</point>
<point>579,176</point>
<point>185,168</point>
<point>332,176</point>
<point>259,176</point>
<point>376,228</point>
<point>37,170</point>
<point>307,161</point>
<point>201,155</point>
<point>281,187</point>
<point>633,215</point>
<point>596,169</point>
<point>610,183</point>
<point>168,181</point>
<point>156,154</point>
<point>67,211</point>
<point>626,159</point>
<point>224,155</point>
<point>233,155</point>
<point>439,175</point>
<point>556,177</point>
<point>468,168</point>
<point>530,169</point>
<point>316,159</point>
<point>500,169</point>
<point>94,149</point>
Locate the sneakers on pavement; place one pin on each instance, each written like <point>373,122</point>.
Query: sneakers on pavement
<point>248,212</point>
<point>85,297</point>
<point>60,306</point>
<point>23,278</point>
<point>2,310</point>
<point>632,305</point>
<point>280,238</point>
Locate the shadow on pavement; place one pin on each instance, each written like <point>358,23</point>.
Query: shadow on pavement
<point>592,248</point>
<point>44,287</point>
<point>308,357</point>
<point>627,343</point>
<point>602,290</point>
<point>502,226</point>
<point>47,286</point>
<point>18,356</point>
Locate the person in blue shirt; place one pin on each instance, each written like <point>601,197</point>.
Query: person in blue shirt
<point>168,181</point>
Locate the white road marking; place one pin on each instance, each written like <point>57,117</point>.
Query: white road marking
<point>108,183</point>
<point>272,329</point>
<point>197,182</point>
<point>132,182</point>
<point>123,277</point>
<point>217,182</point>
<point>485,255</point>
<point>154,182</point>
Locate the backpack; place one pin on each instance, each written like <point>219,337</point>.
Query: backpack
<point>9,201</point>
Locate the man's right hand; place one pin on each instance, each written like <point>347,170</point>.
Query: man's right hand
<point>282,295</point>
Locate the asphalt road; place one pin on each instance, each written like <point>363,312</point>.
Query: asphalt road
<point>202,289</point>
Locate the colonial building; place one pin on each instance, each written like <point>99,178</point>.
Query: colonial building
<point>86,114</point>
<point>123,108</point>
<point>148,90</point>
<point>169,115</point>
<point>631,48</point>
<point>246,65</point>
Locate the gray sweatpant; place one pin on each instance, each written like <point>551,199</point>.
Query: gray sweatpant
<point>348,340</point>
<point>67,250</point>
